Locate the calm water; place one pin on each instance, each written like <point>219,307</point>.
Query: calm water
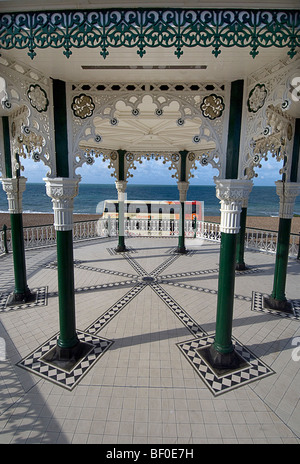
<point>263,200</point>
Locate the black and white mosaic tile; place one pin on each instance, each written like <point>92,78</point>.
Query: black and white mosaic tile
<point>36,364</point>
<point>258,305</point>
<point>184,317</point>
<point>253,368</point>
<point>107,316</point>
<point>40,299</point>
<point>112,251</point>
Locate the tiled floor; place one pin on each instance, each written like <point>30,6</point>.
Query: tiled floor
<point>146,315</point>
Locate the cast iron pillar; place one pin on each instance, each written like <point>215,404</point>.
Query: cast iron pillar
<point>231,192</point>
<point>121,185</point>
<point>62,191</point>
<point>14,188</point>
<point>287,191</point>
<point>240,246</point>
<point>121,188</point>
<point>183,188</point>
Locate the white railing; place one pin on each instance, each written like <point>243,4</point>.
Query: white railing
<point>40,236</point>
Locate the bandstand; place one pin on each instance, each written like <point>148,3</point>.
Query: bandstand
<point>190,86</point>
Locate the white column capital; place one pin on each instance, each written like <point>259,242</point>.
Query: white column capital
<point>14,189</point>
<point>121,188</point>
<point>121,185</point>
<point>233,195</point>
<point>183,187</point>
<point>62,190</point>
<point>287,192</point>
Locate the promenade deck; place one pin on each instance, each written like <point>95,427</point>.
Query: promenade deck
<point>146,313</point>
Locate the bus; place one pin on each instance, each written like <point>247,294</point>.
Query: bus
<point>151,210</point>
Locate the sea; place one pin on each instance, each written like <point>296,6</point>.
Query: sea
<point>263,201</point>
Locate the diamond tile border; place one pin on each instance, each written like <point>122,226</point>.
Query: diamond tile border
<point>34,364</point>
<point>178,310</point>
<point>41,299</point>
<point>258,305</point>
<point>255,369</point>
<point>112,251</point>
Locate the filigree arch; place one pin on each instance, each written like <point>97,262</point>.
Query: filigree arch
<point>270,124</point>
<point>123,117</point>
<point>26,104</point>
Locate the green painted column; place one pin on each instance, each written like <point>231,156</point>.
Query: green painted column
<point>223,342</point>
<point>282,254</point>
<point>183,186</point>
<point>62,189</point>
<point>14,188</point>
<point>67,335</point>
<point>287,192</point>
<point>232,193</point>
<point>287,189</point>
<point>121,185</point>
<point>240,245</point>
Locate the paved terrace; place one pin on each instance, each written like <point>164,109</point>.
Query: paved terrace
<point>145,314</point>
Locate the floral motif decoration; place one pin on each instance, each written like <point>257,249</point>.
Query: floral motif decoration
<point>38,97</point>
<point>257,98</point>
<point>83,106</point>
<point>212,106</point>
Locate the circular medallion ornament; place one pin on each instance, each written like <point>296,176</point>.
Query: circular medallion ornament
<point>257,97</point>
<point>83,106</point>
<point>212,106</point>
<point>38,97</point>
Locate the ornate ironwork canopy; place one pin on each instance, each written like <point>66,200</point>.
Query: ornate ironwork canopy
<point>151,28</point>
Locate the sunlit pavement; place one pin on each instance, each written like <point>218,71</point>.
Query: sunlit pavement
<point>146,313</point>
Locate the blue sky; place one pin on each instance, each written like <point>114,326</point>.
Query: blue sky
<point>150,172</point>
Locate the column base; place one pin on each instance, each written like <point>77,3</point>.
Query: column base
<point>121,249</point>
<point>278,305</point>
<point>20,298</point>
<point>222,362</point>
<point>67,358</point>
<point>240,267</point>
<point>181,249</point>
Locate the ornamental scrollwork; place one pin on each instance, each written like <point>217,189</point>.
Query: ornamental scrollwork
<point>257,98</point>
<point>38,98</point>
<point>212,106</point>
<point>150,28</point>
<point>83,106</point>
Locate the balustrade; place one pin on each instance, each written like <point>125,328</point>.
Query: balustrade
<point>41,236</point>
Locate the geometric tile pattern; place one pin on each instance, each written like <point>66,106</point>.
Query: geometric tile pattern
<point>40,300</point>
<point>112,251</point>
<point>35,363</point>
<point>107,316</point>
<point>218,383</point>
<point>184,317</point>
<point>258,305</point>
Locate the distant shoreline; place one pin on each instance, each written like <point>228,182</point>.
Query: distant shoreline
<point>39,219</point>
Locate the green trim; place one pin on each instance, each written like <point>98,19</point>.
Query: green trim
<point>282,255</point>
<point>61,128</point>
<point>183,155</point>
<point>7,148</point>
<point>65,271</point>
<point>121,161</point>
<point>234,129</point>
<point>240,248</point>
<point>223,343</point>
<point>17,240</point>
<point>296,153</point>
<point>143,28</point>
